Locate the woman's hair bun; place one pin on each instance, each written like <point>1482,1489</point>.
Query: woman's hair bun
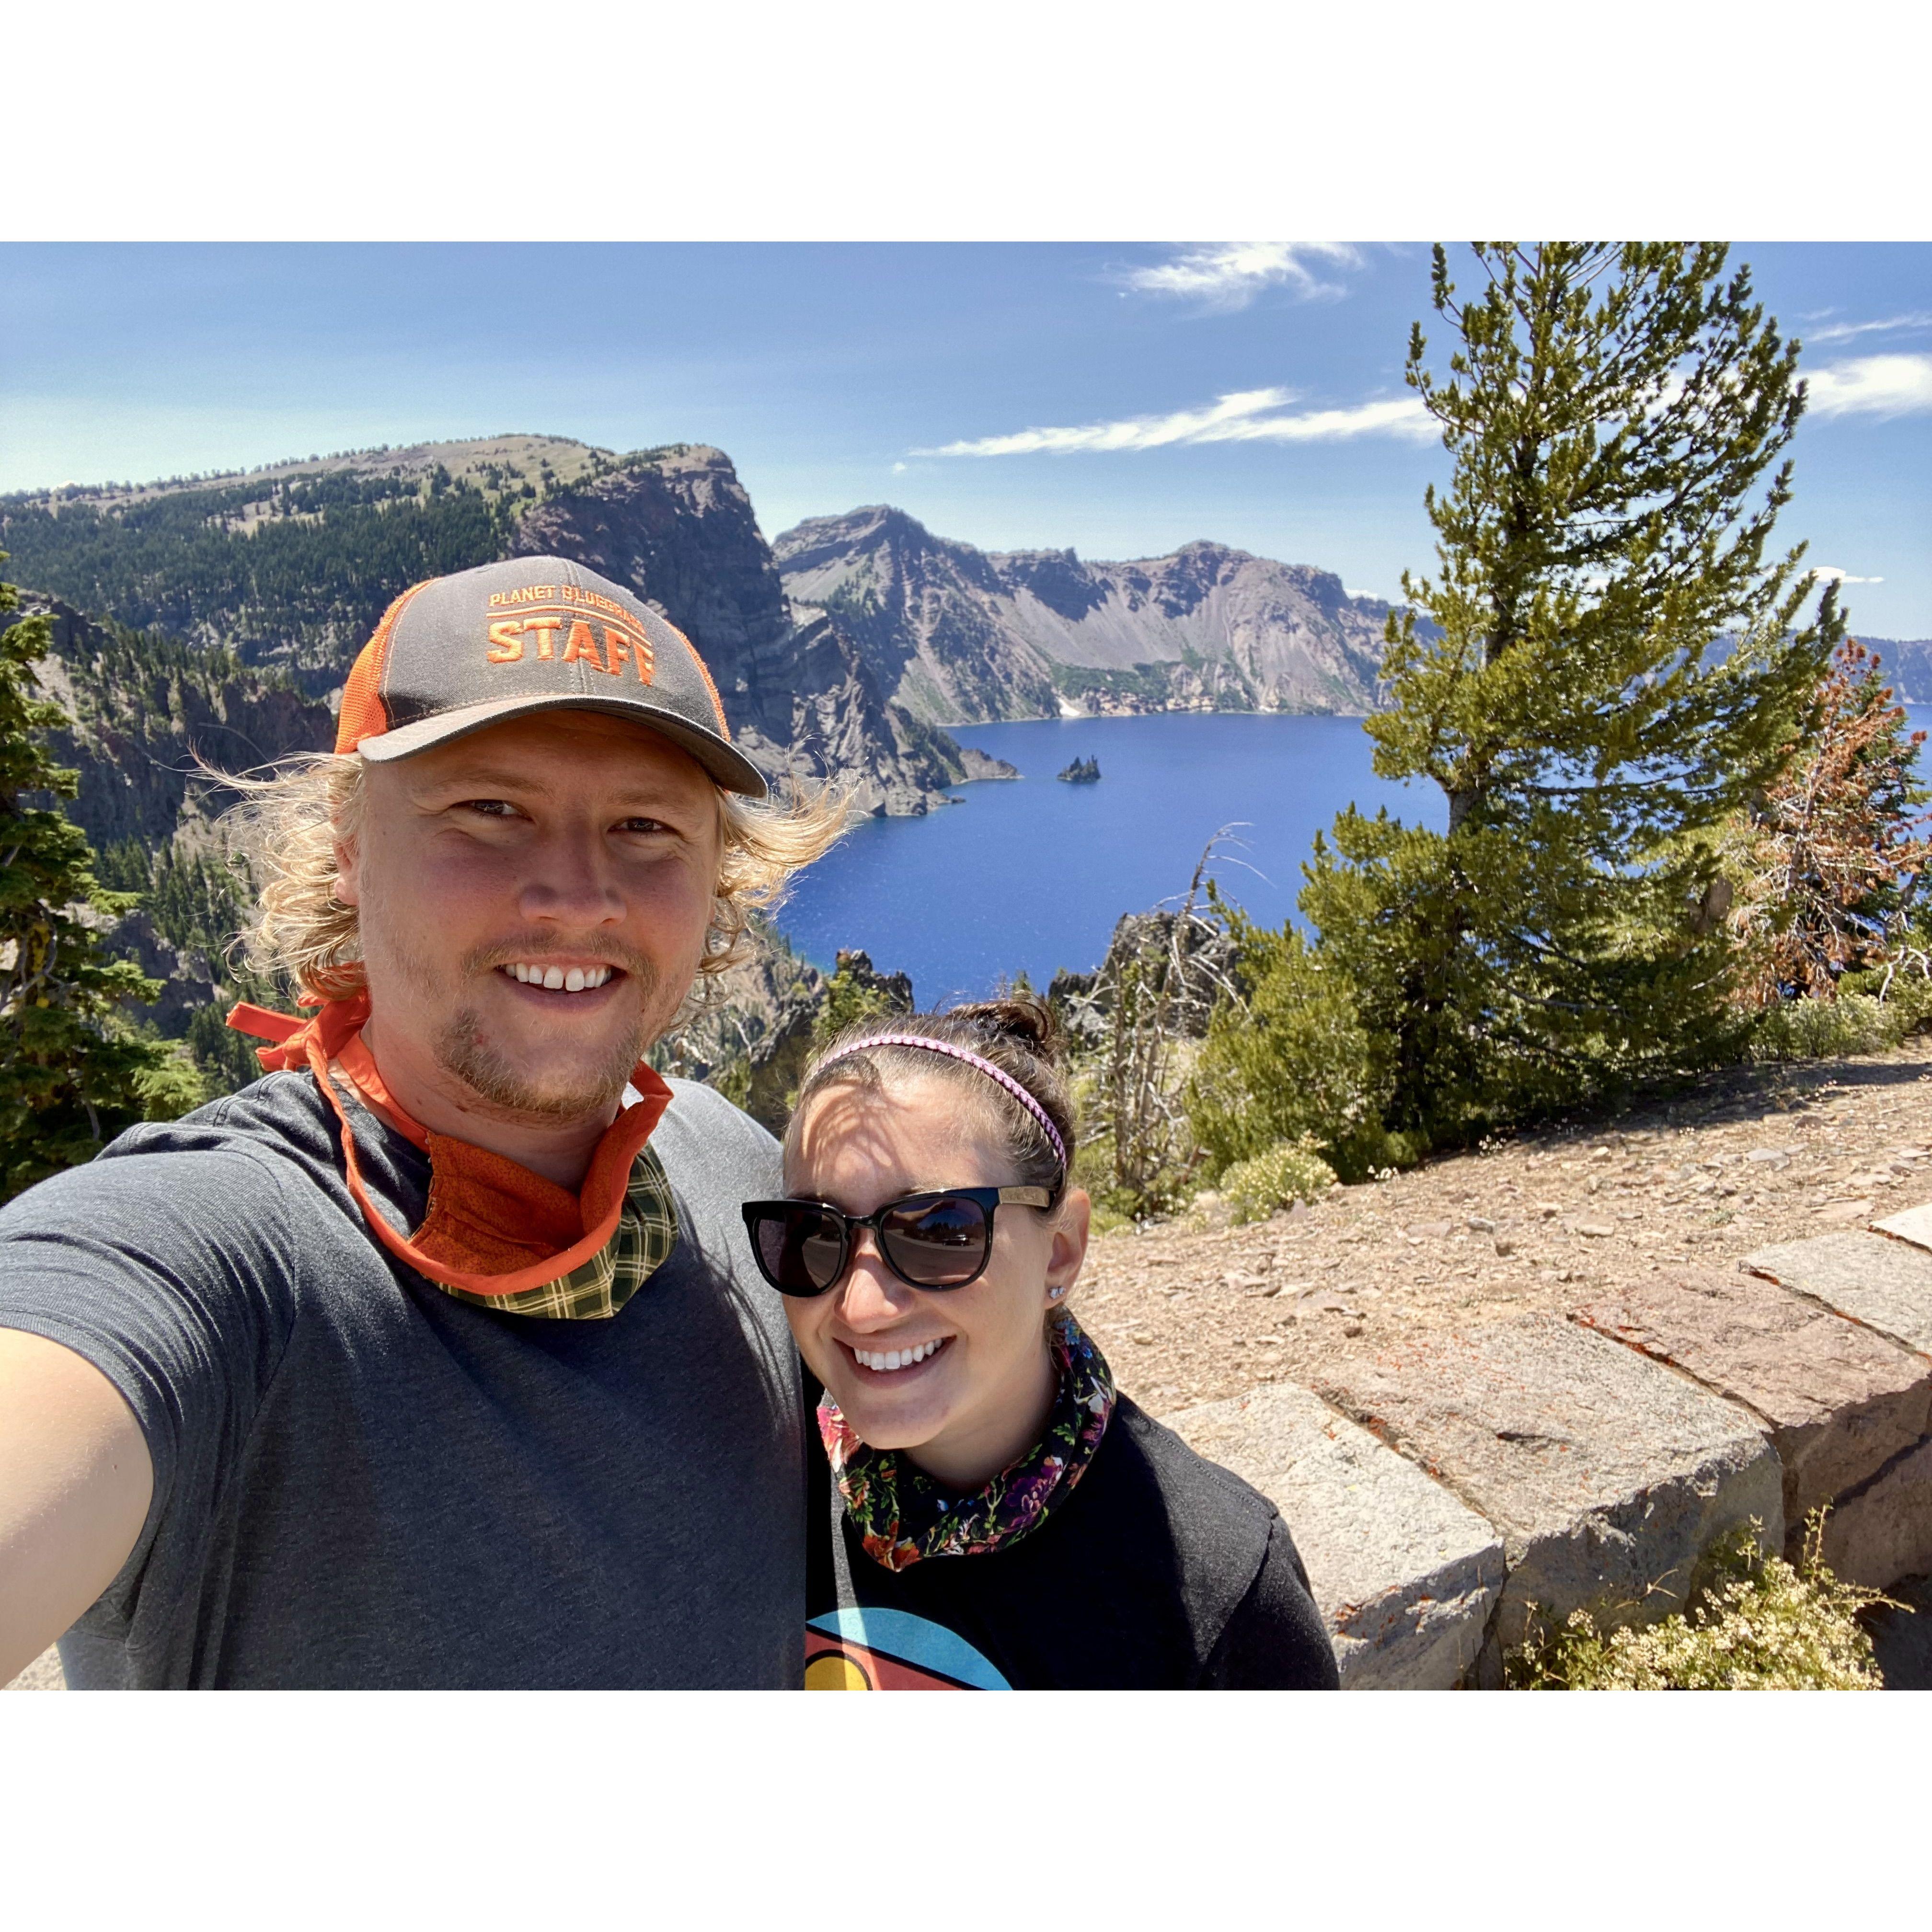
<point>1022,1017</point>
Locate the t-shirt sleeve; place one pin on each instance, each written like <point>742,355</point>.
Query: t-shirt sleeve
<point>1276,1639</point>
<point>168,1272</point>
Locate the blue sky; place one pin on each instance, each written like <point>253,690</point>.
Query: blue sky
<point>1118,398</point>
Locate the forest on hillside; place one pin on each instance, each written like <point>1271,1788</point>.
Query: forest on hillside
<point>293,570</point>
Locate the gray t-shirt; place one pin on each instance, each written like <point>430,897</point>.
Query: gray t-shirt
<point>360,1480</point>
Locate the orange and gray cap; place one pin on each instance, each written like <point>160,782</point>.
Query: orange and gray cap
<point>456,653</point>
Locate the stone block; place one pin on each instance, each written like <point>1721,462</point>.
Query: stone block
<point>1885,1284</point>
<point>1838,1401</point>
<point>1405,1574</point>
<point>1884,1531</point>
<point>1608,1476</point>
<point>1911,1224</point>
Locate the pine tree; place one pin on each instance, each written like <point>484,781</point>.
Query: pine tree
<point>1612,669</point>
<point>73,1071</point>
<point>1832,856</point>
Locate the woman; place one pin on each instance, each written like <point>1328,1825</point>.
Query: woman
<point>1003,1518</point>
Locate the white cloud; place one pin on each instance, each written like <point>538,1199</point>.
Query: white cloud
<point>1840,331</point>
<point>1873,385</point>
<point>898,469</point>
<point>1230,275</point>
<point>1837,576</point>
<point>1248,415</point>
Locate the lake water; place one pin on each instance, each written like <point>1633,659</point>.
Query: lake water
<point>1033,875</point>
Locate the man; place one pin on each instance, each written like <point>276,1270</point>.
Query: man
<point>435,1357</point>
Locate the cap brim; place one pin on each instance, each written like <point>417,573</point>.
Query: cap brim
<point>728,767</point>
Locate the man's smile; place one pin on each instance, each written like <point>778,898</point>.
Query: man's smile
<point>551,976</point>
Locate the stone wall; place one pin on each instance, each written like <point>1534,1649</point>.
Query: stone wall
<point>1441,1491</point>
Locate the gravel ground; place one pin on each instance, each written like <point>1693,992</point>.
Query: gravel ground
<point>1750,1156</point>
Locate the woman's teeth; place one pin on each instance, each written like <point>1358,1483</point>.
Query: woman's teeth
<point>561,979</point>
<point>898,1358</point>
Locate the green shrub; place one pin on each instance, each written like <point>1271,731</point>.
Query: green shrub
<point>1821,1029</point>
<point>849,997</point>
<point>1115,1206</point>
<point>1760,1625</point>
<point>1293,1064</point>
<point>1908,994</point>
<point>175,1085</point>
<point>1292,1171</point>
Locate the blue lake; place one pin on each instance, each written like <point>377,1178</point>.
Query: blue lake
<point>1032,875</point>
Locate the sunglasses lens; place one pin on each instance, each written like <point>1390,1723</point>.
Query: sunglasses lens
<point>940,1245</point>
<point>799,1249</point>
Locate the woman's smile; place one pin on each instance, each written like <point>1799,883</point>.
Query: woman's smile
<point>898,1362</point>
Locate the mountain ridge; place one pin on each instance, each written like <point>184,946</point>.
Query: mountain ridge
<point>290,566</point>
<point>959,635</point>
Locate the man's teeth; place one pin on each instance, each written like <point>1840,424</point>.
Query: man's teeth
<point>560,979</point>
<point>897,1358</point>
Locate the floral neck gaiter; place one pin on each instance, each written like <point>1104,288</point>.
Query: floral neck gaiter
<point>903,1516</point>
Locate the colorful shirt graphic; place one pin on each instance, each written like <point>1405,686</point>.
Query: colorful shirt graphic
<point>873,1649</point>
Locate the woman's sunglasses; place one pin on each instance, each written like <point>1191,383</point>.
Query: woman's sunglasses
<point>928,1241</point>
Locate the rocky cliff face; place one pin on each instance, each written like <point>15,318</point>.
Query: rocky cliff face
<point>289,568</point>
<point>1907,666</point>
<point>800,695</point>
<point>957,635</point>
<point>144,709</point>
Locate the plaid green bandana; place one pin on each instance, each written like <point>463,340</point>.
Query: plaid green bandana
<point>646,1232</point>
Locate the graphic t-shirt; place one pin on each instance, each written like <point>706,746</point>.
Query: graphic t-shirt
<point>1160,1570</point>
<point>362,1481</point>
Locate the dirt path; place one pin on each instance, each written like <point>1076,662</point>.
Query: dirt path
<point>1752,1155</point>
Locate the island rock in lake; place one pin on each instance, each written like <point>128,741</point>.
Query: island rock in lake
<point>1082,771</point>
<point>956,634</point>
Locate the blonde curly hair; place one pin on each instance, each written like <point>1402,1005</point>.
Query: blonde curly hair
<point>287,825</point>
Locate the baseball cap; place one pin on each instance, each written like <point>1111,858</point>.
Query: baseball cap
<point>454,654</point>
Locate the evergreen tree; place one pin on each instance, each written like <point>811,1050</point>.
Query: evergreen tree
<point>73,1071</point>
<point>1615,669</point>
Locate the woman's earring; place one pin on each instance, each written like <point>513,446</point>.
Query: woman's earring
<point>1056,1293</point>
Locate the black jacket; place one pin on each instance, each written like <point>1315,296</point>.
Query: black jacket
<point>1161,1571</point>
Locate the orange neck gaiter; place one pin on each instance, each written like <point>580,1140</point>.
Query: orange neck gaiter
<point>493,1227</point>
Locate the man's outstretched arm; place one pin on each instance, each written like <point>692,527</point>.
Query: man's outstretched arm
<point>75,1484</point>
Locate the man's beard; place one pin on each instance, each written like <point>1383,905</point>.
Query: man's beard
<point>463,1049</point>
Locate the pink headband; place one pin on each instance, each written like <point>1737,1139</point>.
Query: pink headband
<point>960,1053</point>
